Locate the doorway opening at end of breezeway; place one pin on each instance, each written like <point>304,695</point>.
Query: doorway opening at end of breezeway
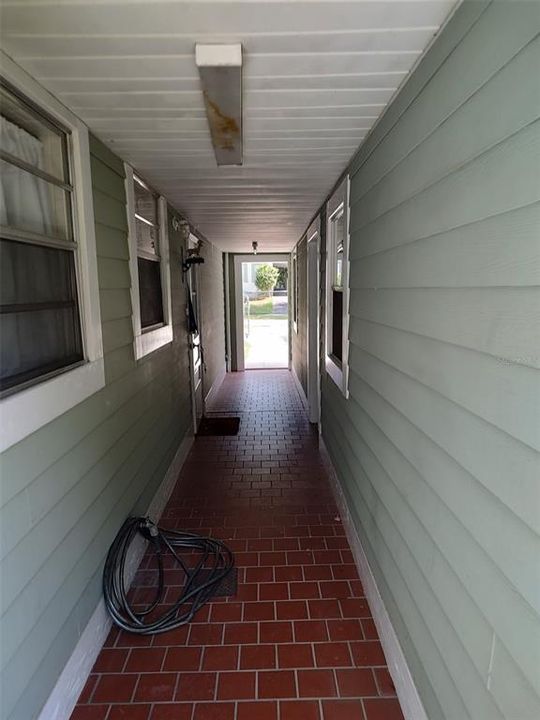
<point>266,314</point>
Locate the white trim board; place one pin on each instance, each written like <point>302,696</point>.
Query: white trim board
<point>411,704</point>
<point>300,389</point>
<point>211,394</point>
<point>313,320</point>
<point>69,685</point>
<point>337,204</point>
<point>228,318</point>
<point>146,341</point>
<point>29,410</point>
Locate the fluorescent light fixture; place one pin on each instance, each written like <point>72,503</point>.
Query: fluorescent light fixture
<point>220,69</point>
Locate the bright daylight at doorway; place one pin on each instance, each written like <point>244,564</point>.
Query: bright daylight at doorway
<point>265,314</point>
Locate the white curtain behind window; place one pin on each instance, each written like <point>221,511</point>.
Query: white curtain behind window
<point>25,200</point>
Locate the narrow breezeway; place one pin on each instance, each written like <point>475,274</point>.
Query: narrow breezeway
<point>298,641</point>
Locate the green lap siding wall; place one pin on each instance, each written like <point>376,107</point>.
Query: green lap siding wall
<point>437,446</point>
<point>67,488</point>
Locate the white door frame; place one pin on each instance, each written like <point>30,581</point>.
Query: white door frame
<point>239,305</point>
<point>313,320</point>
<point>228,319</point>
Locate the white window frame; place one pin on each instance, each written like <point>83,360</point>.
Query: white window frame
<point>339,373</point>
<point>313,237</point>
<point>146,341</point>
<point>28,409</point>
<point>294,290</point>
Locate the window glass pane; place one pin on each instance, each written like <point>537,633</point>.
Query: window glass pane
<point>147,238</point>
<point>29,203</point>
<point>39,319</point>
<point>36,343</point>
<point>150,293</point>
<point>339,267</point>
<point>193,306</point>
<point>146,215</point>
<point>338,226</point>
<point>35,274</point>
<point>28,136</point>
<point>145,203</point>
<point>295,289</point>
<point>337,324</point>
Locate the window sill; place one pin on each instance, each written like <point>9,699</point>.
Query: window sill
<point>28,410</point>
<point>151,328</point>
<point>152,340</point>
<point>338,374</point>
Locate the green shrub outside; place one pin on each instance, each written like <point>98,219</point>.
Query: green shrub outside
<point>266,278</point>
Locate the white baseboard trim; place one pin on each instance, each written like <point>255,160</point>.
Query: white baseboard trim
<point>300,389</point>
<point>69,685</point>
<point>161,498</point>
<point>411,704</point>
<point>211,394</point>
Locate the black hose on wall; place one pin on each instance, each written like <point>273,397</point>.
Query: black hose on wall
<point>214,562</point>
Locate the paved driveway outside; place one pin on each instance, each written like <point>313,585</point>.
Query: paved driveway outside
<point>266,343</point>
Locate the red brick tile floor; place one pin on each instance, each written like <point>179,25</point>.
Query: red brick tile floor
<point>298,641</point>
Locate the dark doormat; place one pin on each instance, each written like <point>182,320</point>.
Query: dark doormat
<point>219,426</point>
<point>228,587</point>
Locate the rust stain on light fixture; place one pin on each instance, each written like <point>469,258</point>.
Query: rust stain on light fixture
<point>224,129</point>
<point>220,70</point>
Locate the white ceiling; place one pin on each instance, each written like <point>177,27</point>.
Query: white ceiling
<point>316,77</point>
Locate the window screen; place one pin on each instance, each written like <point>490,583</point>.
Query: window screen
<point>337,324</point>
<point>146,219</point>
<point>150,293</point>
<point>40,330</point>
<point>40,315</point>
<point>336,249</point>
<point>295,287</point>
<point>148,255</point>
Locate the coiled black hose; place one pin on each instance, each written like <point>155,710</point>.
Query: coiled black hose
<point>214,563</point>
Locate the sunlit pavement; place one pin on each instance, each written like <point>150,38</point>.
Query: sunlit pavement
<point>266,343</point>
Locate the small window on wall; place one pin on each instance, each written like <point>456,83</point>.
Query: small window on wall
<point>148,255</point>
<point>149,260</point>
<point>337,286</point>
<point>40,320</point>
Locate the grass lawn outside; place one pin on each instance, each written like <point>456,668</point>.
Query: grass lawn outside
<point>267,307</point>
<point>264,306</point>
